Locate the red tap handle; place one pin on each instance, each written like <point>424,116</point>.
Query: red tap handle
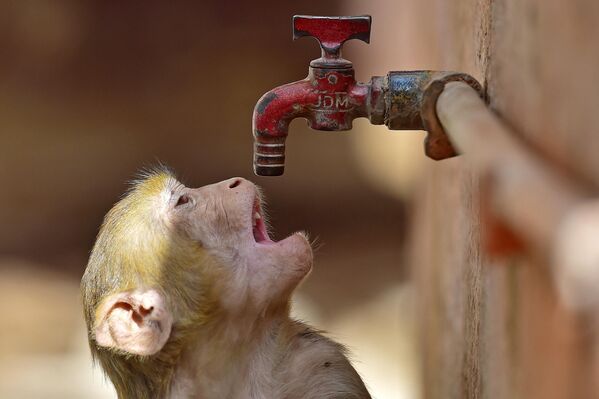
<point>332,32</point>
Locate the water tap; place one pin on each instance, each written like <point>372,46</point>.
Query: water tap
<point>330,98</point>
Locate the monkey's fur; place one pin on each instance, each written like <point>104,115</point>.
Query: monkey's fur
<point>185,296</point>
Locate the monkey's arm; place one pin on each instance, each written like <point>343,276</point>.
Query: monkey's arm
<point>316,367</point>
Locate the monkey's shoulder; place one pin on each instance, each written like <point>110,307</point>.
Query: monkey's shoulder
<point>315,366</point>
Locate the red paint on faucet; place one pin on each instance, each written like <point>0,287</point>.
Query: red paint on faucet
<point>332,32</point>
<point>329,98</point>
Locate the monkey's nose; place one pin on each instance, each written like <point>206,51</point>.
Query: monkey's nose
<point>234,182</point>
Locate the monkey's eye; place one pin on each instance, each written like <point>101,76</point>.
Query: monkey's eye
<point>183,199</point>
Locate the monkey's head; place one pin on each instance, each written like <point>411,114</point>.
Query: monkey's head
<point>170,260</point>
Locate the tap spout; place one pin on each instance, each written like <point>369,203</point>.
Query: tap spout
<point>272,115</point>
<point>329,100</point>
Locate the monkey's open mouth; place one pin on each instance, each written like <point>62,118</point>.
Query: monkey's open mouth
<point>258,225</point>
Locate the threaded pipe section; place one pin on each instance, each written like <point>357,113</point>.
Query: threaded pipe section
<point>269,157</point>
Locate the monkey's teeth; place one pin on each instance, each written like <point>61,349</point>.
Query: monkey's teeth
<point>257,216</point>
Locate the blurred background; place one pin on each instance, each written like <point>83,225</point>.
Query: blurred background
<point>92,91</point>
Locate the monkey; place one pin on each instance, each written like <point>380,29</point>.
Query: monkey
<point>185,295</point>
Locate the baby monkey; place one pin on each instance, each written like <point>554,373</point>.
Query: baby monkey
<point>186,296</point>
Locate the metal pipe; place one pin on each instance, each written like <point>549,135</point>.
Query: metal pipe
<point>330,98</point>
<point>546,210</point>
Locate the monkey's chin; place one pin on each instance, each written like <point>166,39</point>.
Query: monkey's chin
<point>294,243</point>
<point>293,252</point>
<point>275,269</point>
<point>297,240</point>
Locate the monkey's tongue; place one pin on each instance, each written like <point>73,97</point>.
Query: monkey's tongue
<point>259,228</point>
<point>260,233</point>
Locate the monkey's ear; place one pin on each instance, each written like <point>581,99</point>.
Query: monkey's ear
<point>137,322</point>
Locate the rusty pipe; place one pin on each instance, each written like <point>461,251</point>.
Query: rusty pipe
<point>549,212</point>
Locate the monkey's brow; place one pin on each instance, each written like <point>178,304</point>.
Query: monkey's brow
<point>176,185</point>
